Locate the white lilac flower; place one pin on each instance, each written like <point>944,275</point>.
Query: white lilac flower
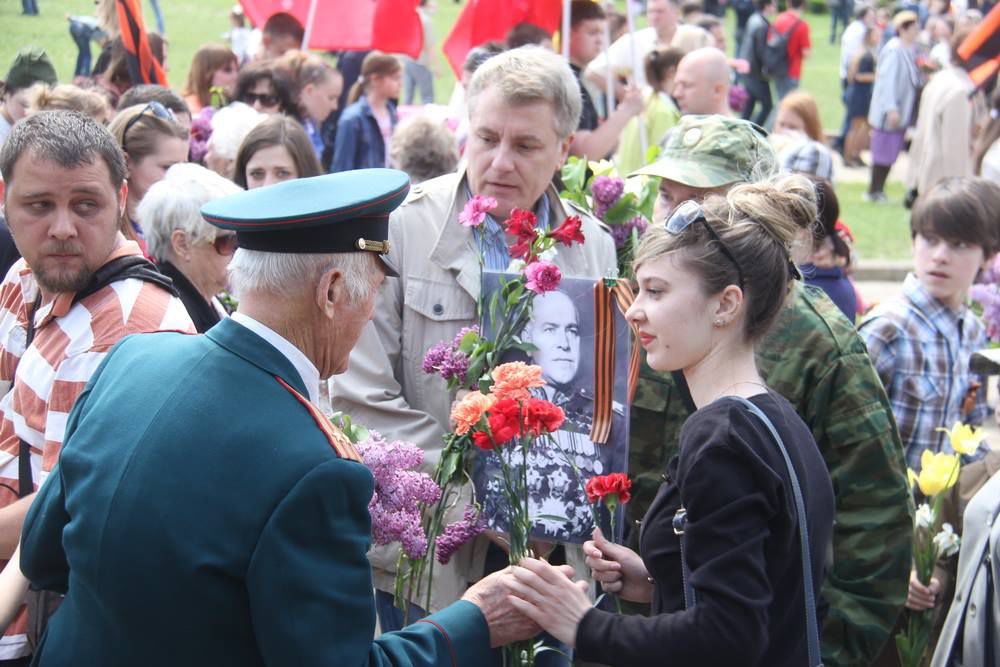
<point>946,541</point>
<point>925,516</point>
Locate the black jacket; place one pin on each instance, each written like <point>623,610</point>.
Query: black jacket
<point>742,546</point>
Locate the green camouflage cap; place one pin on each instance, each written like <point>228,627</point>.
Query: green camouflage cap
<point>30,66</point>
<point>711,151</point>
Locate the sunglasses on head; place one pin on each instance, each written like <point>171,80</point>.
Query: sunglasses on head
<point>225,244</point>
<point>265,99</point>
<point>689,213</point>
<point>157,109</point>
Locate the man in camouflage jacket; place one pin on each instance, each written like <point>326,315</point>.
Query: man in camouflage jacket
<point>815,359</point>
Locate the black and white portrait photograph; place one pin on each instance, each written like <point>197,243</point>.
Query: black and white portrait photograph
<point>561,336</point>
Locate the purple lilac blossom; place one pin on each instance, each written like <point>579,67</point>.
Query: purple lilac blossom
<point>622,233</point>
<point>606,190</point>
<point>988,296</point>
<point>456,534</point>
<point>394,506</point>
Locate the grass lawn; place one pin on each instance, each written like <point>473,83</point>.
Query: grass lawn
<point>881,229</point>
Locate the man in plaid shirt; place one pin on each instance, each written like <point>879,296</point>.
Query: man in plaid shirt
<point>921,342</point>
<point>80,288</point>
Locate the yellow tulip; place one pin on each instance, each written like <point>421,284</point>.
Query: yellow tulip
<point>964,438</point>
<point>938,472</point>
<point>603,168</point>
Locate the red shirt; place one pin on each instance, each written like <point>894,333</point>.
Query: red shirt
<point>798,41</point>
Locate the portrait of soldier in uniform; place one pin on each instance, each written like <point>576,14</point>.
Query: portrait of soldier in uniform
<point>561,331</point>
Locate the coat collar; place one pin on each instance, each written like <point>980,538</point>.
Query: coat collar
<point>249,346</point>
<point>455,249</point>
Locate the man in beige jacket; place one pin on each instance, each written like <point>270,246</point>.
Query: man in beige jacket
<point>524,105</point>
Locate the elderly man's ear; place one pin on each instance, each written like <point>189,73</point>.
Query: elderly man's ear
<point>330,292</point>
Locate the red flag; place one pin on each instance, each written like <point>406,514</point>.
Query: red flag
<point>484,20</point>
<point>142,66</point>
<point>392,26</point>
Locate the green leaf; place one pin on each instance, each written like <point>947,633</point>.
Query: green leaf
<point>549,517</point>
<point>468,342</point>
<point>524,347</point>
<point>573,174</point>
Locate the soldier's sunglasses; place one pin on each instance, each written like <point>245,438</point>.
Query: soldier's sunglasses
<point>225,244</point>
<point>689,213</point>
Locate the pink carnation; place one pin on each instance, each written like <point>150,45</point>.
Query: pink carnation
<point>542,277</point>
<point>475,211</point>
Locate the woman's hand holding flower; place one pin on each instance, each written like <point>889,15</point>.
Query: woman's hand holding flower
<point>546,594</point>
<point>617,568</point>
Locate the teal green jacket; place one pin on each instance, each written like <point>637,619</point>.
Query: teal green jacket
<point>199,516</point>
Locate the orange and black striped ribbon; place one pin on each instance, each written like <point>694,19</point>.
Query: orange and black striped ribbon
<point>609,294</point>
<point>983,44</point>
<point>340,443</point>
<point>142,66</point>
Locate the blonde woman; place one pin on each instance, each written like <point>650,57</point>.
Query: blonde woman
<point>712,281</point>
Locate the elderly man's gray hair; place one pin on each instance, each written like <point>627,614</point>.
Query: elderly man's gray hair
<point>175,203</point>
<point>531,74</point>
<point>289,274</point>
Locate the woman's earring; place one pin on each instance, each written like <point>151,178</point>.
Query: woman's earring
<point>718,323</point>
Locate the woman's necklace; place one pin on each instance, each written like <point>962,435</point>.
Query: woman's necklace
<point>733,386</point>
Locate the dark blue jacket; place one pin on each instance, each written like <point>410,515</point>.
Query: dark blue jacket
<point>359,142</point>
<point>199,516</point>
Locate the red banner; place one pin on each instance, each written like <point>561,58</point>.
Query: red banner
<point>484,20</point>
<point>392,26</point>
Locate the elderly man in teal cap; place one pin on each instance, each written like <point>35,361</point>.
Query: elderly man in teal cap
<point>204,512</point>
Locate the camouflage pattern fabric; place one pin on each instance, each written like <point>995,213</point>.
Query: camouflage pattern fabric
<point>815,359</point>
<point>712,151</point>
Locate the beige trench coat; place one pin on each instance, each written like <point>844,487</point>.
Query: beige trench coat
<point>385,388</point>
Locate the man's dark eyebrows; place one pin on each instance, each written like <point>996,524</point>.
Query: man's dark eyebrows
<point>78,189</point>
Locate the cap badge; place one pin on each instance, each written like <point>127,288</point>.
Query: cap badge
<point>381,247</point>
<point>691,137</point>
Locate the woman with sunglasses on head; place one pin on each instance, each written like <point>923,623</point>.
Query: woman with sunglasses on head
<point>191,252</point>
<point>277,150</point>
<point>266,89</point>
<point>153,142</point>
<point>732,587</point>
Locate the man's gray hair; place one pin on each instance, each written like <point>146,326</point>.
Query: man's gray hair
<point>531,74</point>
<point>175,203</point>
<point>289,274</point>
<point>68,138</point>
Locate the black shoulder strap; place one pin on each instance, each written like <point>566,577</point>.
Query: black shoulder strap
<point>130,266</point>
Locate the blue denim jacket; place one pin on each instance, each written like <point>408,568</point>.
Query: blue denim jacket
<point>359,142</point>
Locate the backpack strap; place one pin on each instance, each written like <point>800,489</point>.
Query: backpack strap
<point>812,623</point>
<point>130,266</point>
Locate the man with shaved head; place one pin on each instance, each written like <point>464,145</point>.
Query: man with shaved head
<point>701,85</point>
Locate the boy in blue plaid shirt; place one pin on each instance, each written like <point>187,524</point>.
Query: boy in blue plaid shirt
<point>921,342</point>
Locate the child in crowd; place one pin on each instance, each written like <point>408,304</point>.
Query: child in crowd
<point>366,126</point>
<point>660,112</point>
<point>921,342</point>
<point>318,84</point>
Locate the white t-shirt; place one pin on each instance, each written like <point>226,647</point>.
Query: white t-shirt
<point>850,43</point>
<point>620,54</point>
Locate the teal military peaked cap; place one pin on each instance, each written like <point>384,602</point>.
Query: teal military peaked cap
<point>343,212</point>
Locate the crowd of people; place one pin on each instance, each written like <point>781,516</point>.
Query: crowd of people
<point>152,499</point>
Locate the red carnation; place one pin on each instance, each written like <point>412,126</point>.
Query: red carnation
<point>541,416</point>
<point>521,224</point>
<point>504,424</point>
<point>610,489</point>
<point>569,232</point>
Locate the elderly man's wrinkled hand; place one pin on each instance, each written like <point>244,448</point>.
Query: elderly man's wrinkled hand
<point>507,624</point>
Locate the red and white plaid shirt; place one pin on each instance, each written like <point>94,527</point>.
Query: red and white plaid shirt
<point>40,384</point>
